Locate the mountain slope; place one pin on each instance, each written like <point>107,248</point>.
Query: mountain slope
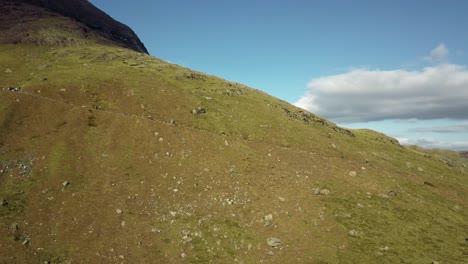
<point>112,156</point>
<point>15,16</point>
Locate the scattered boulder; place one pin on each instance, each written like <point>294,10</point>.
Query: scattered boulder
<point>199,111</point>
<point>353,233</point>
<point>386,248</point>
<point>381,195</point>
<point>324,192</point>
<point>14,89</point>
<point>274,242</point>
<point>14,227</point>
<point>268,219</point>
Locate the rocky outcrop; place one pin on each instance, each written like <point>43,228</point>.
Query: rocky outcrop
<point>86,13</point>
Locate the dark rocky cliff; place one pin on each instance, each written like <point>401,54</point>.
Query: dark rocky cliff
<point>86,13</point>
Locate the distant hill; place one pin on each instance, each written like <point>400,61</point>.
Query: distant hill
<point>109,155</point>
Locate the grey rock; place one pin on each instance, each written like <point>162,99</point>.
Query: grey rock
<point>65,183</point>
<point>353,233</point>
<point>199,111</point>
<point>274,242</point>
<point>317,191</point>
<point>353,173</point>
<point>119,211</point>
<point>14,227</point>
<point>268,219</point>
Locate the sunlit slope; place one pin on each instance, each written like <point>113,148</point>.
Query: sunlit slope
<point>104,160</point>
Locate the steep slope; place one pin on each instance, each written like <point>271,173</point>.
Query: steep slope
<point>108,155</point>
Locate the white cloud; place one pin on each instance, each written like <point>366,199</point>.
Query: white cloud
<point>362,95</point>
<point>438,54</point>
<point>431,143</point>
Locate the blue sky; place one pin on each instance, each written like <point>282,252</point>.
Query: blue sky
<point>398,67</point>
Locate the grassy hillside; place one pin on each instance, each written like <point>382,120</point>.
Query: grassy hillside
<point>104,160</point>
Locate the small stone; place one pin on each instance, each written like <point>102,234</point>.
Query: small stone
<point>353,174</point>
<point>435,262</point>
<point>333,145</point>
<point>386,248</point>
<point>121,256</point>
<point>282,199</point>
<point>14,227</point>
<point>183,255</point>
<point>324,192</point>
<point>353,233</point>
<point>420,169</point>
<point>160,139</point>
<point>119,211</point>
<point>317,191</point>
<point>8,70</point>
<point>173,213</point>
<point>270,253</point>
<point>63,90</point>
<point>65,183</point>
<point>199,111</point>
<point>4,202</point>
<point>391,194</point>
<point>268,219</point>
<point>122,223</point>
<point>25,242</point>
<point>274,242</point>
<point>384,196</point>
<point>249,246</point>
